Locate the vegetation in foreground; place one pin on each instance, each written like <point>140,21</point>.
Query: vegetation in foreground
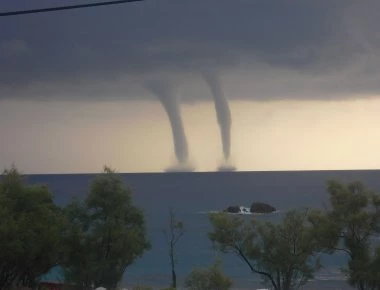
<point>104,235</point>
<point>173,234</point>
<point>95,240</point>
<point>30,229</point>
<point>209,278</point>
<point>284,255</point>
<point>349,226</point>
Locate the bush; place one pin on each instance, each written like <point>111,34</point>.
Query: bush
<point>142,288</point>
<point>208,279</point>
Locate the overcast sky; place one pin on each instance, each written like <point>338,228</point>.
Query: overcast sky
<point>301,76</point>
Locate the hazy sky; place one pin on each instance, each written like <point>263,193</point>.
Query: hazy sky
<point>301,77</point>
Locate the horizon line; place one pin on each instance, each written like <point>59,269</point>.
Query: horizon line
<point>205,172</point>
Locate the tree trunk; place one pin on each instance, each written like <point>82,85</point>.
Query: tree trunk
<point>172,264</point>
<point>174,279</point>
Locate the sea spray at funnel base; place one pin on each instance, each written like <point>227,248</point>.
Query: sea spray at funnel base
<point>223,113</point>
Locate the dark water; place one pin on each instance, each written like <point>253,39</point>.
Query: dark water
<point>191,195</point>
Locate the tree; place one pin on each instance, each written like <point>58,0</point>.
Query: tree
<point>349,226</point>
<point>283,254</point>
<point>30,231</point>
<point>106,234</point>
<point>208,279</point>
<point>173,234</point>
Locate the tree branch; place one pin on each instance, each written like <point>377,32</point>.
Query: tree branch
<point>245,259</point>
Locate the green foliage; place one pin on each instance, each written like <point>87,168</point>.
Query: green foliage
<point>208,279</point>
<point>106,234</point>
<point>142,288</point>
<point>282,254</point>
<point>173,234</point>
<point>348,226</point>
<point>30,227</point>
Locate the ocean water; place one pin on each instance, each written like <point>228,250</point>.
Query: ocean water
<point>192,195</point>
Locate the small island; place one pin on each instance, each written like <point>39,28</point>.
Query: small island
<point>260,207</point>
<point>233,209</point>
<point>256,207</point>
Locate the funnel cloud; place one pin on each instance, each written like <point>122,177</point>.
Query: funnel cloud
<point>164,92</point>
<point>223,113</point>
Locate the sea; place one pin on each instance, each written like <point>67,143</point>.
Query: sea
<point>192,196</point>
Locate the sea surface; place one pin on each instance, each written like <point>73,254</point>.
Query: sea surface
<point>193,195</point>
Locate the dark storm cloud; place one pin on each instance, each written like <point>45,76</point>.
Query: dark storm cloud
<point>82,50</point>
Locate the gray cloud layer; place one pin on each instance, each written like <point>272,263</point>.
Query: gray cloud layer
<point>305,47</point>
